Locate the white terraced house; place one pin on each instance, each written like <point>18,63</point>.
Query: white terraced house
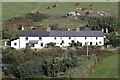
<point>39,38</point>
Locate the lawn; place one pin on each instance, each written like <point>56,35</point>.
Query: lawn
<point>17,9</point>
<point>107,69</point>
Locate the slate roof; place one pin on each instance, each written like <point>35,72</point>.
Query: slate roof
<point>58,33</point>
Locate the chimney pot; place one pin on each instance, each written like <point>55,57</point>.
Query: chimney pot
<point>48,28</point>
<point>102,30</point>
<point>106,30</point>
<point>68,29</point>
<point>77,29</point>
<point>22,28</point>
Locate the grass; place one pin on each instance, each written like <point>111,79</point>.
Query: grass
<point>1,43</point>
<point>16,9</point>
<point>107,69</point>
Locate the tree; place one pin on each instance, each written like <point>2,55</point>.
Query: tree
<point>115,41</point>
<point>11,58</point>
<point>97,23</point>
<point>10,32</point>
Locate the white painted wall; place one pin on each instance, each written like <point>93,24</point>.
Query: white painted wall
<point>17,44</point>
<point>58,40</point>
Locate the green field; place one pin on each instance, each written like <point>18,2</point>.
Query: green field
<point>17,9</point>
<point>107,69</point>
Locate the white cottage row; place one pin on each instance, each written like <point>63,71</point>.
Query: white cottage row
<point>39,38</point>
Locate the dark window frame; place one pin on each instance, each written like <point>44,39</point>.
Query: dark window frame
<point>91,43</point>
<point>32,45</point>
<point>96,38</point>
<point>96,43</point>
<point>40,38</point>
<point>69,37</point>
<point>26,44</point>
<point>41,44</point>
<point>100,42</point>
<point>26,38</point>
<point>15,44</point>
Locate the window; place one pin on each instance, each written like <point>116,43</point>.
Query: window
<point>90,43</point>
<point>26,38</point>
<point>15,44</point>
<point>85,38</point>
<point>96,43</point>
<point>100,42</point>
<point>26,44</point>
<point>32,45</point>
<point>85,43</point>
<point>40,38</point>
<point>60,43</point>
<point>61,38</point>
<point>55,38</point>
<point>41,44</point>
<point>69,37</point>
<point>96,38</point>
<point>69,43</point>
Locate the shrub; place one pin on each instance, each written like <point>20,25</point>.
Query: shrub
<point>50,63</point>
<point>50,45</point>
<point>54,26</point>
<point>36,17</point>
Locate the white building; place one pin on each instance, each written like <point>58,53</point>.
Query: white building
<point>39,38</point>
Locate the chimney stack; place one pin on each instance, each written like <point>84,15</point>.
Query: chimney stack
<point>48,28</point>
<point>102,30</point>
<point>68,29</point>
<point>106,30</point>
<point>22,28</point>
<point>77,29</point>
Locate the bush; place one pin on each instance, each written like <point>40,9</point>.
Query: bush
<point>54,26</point>
<point>50,45</point>
<point>72,62</point>
<point>36,17</point>
<point>12,58</point>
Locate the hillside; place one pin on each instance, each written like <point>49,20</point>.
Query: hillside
<point>17,9</point>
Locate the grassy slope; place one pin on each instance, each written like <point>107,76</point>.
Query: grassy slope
<point>108,68</point>
<point>11,10</point>
<point>16,9</point>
